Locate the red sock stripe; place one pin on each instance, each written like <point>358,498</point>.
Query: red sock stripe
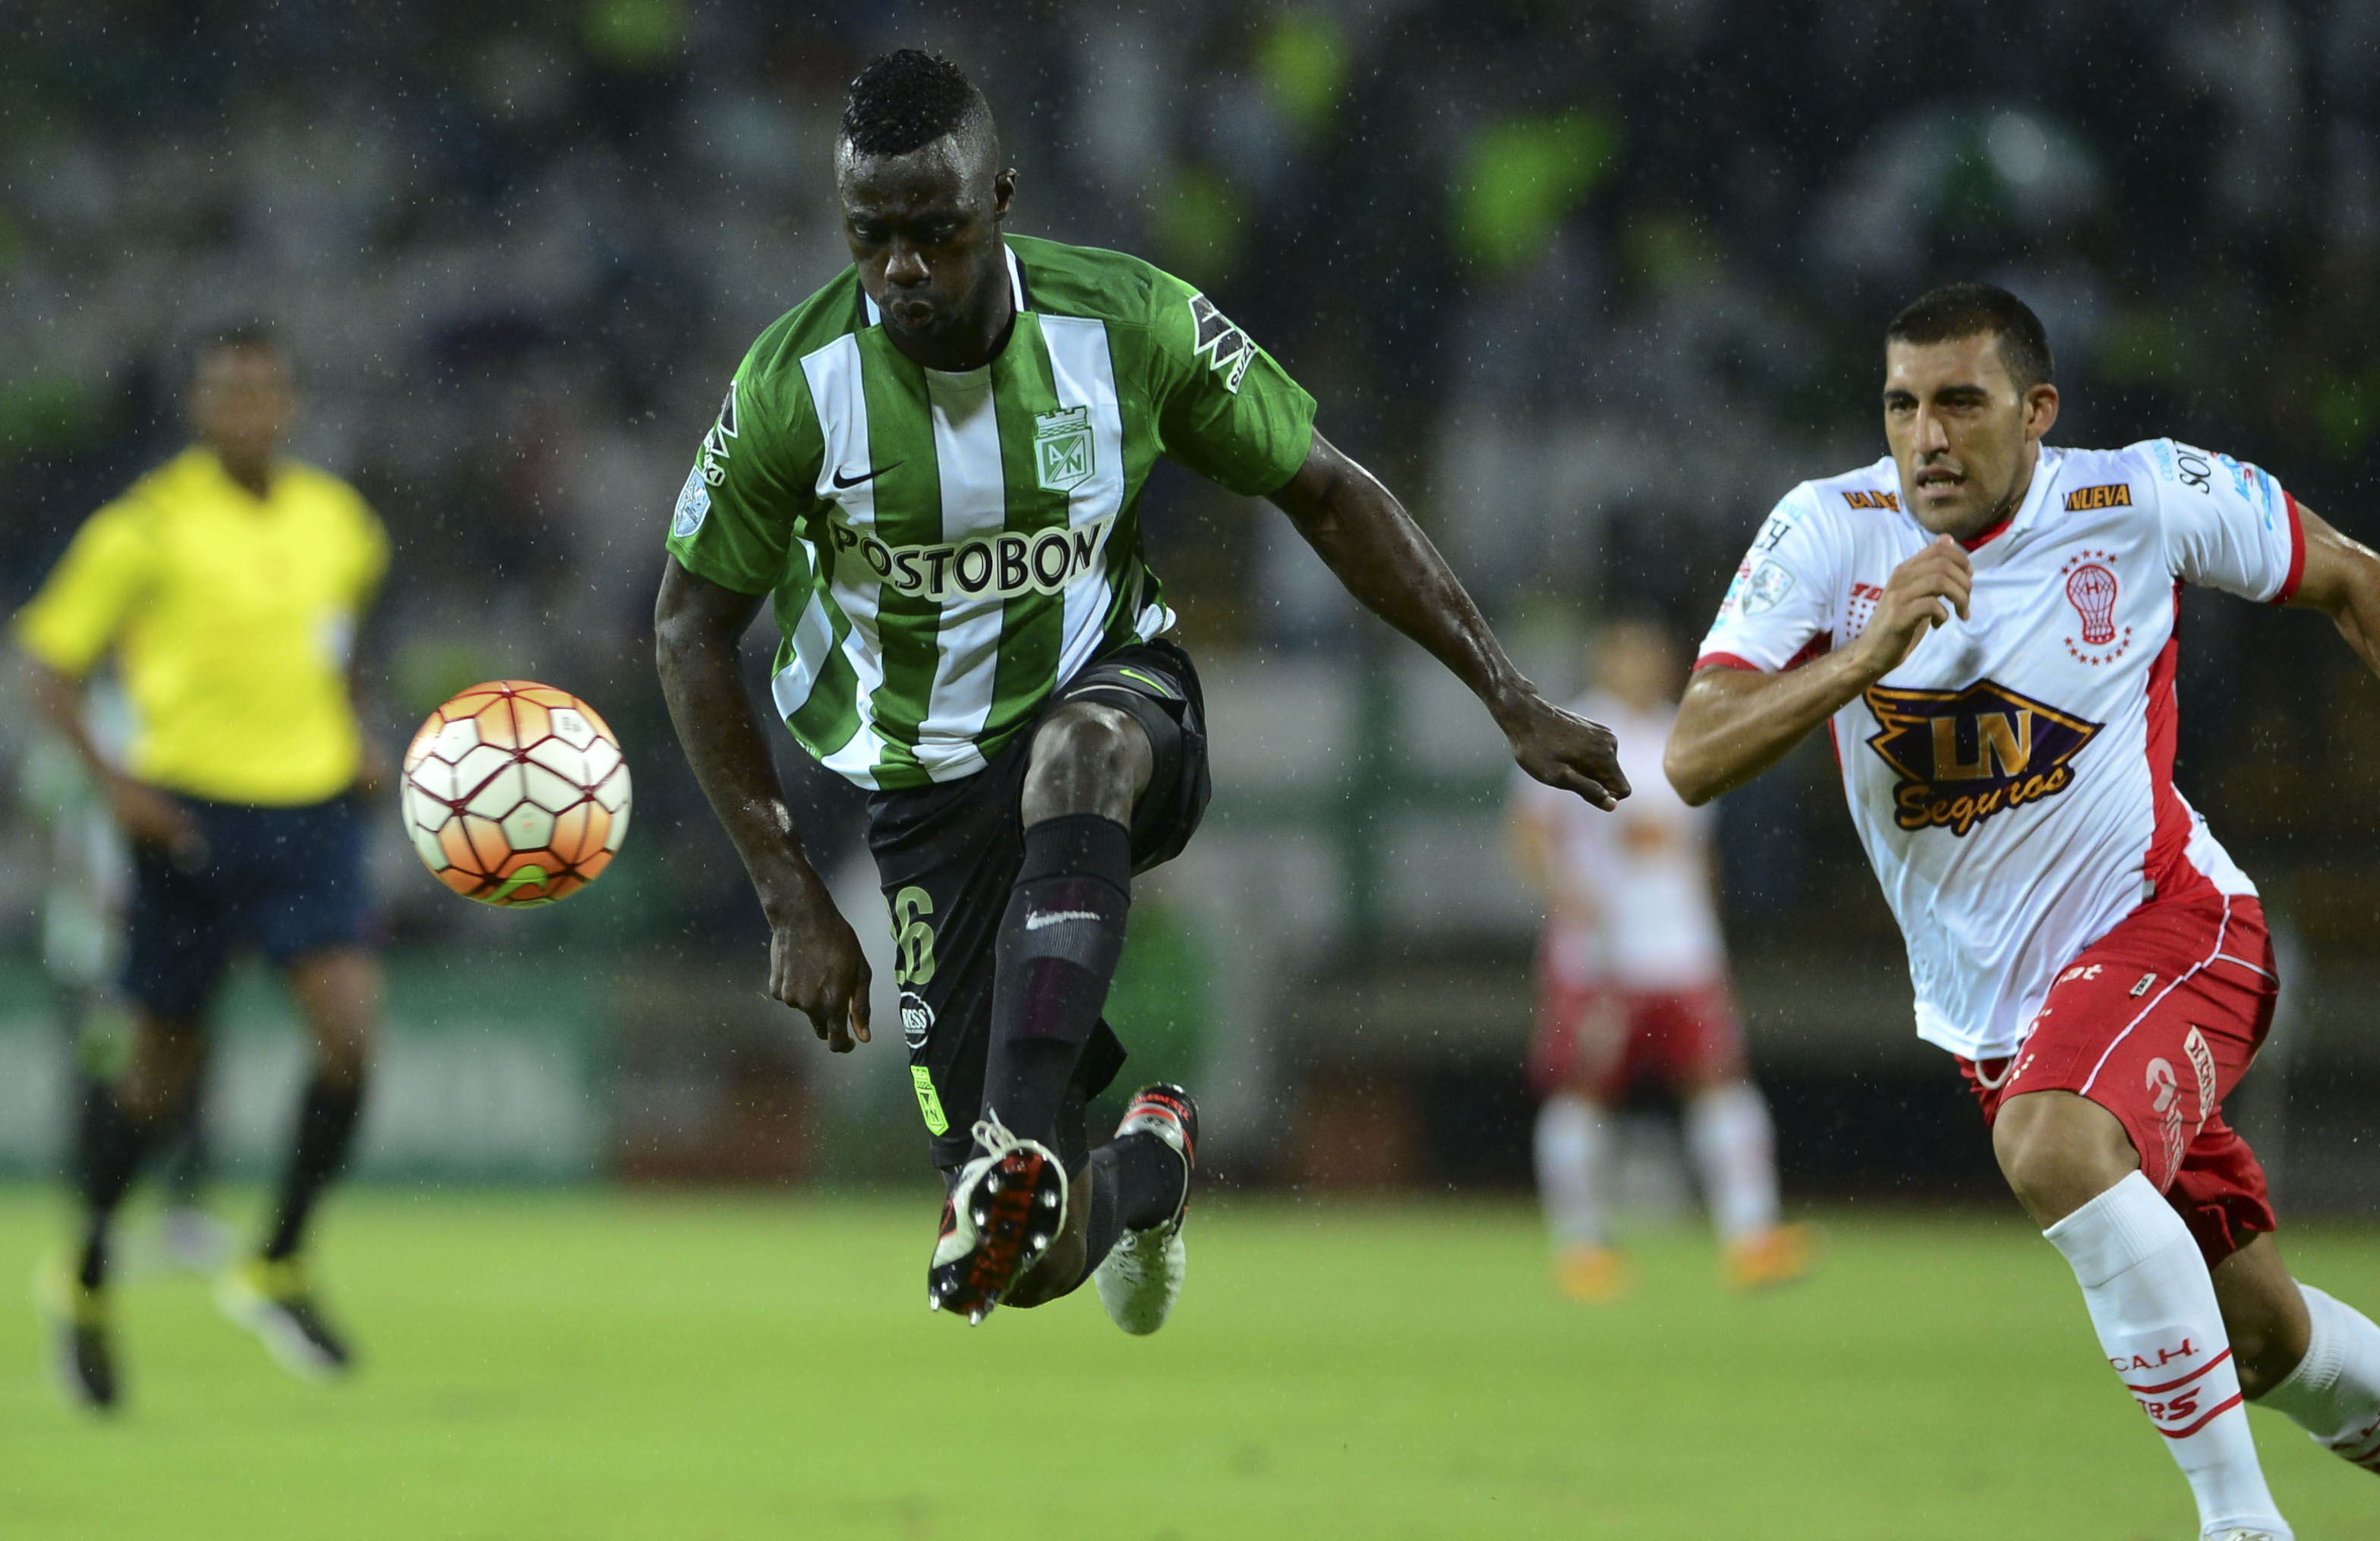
<point>2212,1414</point>
<point>2171,1385</point>
<point>2361,1446</point>
<point>1172,1107</point>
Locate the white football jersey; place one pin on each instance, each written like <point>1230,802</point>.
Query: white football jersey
<point>1632,903</point>
<point>2012,781</point>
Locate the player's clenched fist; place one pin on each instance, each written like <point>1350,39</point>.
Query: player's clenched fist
<point>815,966</point>
<point>1561,749</point>
<point>1921,594</point>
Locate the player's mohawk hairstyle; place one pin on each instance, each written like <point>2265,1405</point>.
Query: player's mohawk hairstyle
<point>1957,310</point>
<point>907,99</point>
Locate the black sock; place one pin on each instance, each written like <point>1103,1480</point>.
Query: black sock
<point>1150,1177</point>
<point>184,1144</point>
<point>107,1156</point>
<point>326,1127</point>
<point>1059,942</point>
<point>1137,1181</point>
<point>1105,1230</point>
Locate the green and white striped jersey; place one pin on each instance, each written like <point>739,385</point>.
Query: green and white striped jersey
<point>946,550</point>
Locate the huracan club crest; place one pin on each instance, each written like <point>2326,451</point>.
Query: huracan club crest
<point>1964,756</point>
<point>1061,448</point>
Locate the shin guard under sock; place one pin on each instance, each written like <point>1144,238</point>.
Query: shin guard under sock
<point>1059,942</point>
<point>2151,1300</point>
<point>326,1127</point>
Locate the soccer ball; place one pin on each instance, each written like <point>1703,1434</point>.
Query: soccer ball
<point>516,794</point>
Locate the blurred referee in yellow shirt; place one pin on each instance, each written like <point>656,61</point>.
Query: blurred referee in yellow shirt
<point>228,584</point>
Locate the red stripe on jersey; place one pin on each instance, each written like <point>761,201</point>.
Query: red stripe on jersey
<point>2212,1414</point>
<point>2297,553</point>
<point>2168,865</point>
<point>2203,1369</point>
<point>1726,660</point>
<point>1818,646</point>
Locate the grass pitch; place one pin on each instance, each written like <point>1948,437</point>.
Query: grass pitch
<point>593,1367</point>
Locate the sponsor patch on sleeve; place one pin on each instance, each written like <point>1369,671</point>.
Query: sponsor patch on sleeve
<point>692,504</point>
<point>1226,349</point>
<point>1766,589</point>
<point>2112,495</point>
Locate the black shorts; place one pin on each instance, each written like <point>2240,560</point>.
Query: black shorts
<point>949,855</point>
<point>284,880</point>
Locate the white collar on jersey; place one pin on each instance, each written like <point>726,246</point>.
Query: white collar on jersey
<point>1015,288</point>
<point>2037,497</point>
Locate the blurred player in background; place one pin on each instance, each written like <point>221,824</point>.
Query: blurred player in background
<point>934,465</point>
<point>1985,627</point>
<point>228,584</point>
<point>82,953</point>
<point>1632,983</point>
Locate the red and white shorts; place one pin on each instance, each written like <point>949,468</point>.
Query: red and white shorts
<point>1598,1039</point>
<point>2157,1021</point>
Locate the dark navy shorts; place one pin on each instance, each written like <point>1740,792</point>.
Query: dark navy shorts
<point>284,880</point>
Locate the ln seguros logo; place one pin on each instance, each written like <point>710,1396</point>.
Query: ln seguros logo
<point>1964,756</point>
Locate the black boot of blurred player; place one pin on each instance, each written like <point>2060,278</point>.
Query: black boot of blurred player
<point>108,1150</point>
<point>271,1294</point>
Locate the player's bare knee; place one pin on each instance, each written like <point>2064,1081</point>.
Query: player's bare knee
<point>1087,758</point>
<point>2059,1152</point>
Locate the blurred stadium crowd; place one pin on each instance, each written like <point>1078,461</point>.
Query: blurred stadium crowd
<point>1590,284</point>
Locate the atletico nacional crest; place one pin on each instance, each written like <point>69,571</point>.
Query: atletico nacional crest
<point>1061,448</point>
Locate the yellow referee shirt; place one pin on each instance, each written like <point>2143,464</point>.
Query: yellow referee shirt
<point>231,617</point>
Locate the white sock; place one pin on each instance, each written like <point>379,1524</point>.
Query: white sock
<point>1734,1148</point>
<point>2333,1394</point>
<point>1573,1145</point>
<point>2153,1305</point>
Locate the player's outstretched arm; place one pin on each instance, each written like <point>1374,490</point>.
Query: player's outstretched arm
<point>2342,580</point>
<point>1365,537</point>
<point>815,964</point>
<point>147,816</point>
<point>1734,724</point>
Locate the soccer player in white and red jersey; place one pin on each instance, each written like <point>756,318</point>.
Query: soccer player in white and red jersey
<point>1983,625</point>
<point>1632,985</point>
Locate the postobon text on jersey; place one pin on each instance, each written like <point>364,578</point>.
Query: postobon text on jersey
<point>1001,564</point>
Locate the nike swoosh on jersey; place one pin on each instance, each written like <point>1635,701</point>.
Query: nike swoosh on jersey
<point>1042,922</point>
<point>843,483</point>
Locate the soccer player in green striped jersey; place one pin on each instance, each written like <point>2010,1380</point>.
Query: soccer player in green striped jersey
<point>931,469</point>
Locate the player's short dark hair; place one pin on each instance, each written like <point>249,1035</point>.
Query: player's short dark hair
<point>244,337</point>
<point>247,333</point>
<point>1957,310</point>
<point>909,98</point>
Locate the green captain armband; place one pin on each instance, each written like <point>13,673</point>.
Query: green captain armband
<point>929,1102</point>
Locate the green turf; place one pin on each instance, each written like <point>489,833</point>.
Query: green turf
<point>586,1367</point>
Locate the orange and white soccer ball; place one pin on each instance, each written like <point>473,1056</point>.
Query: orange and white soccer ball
<point>516,794</point>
